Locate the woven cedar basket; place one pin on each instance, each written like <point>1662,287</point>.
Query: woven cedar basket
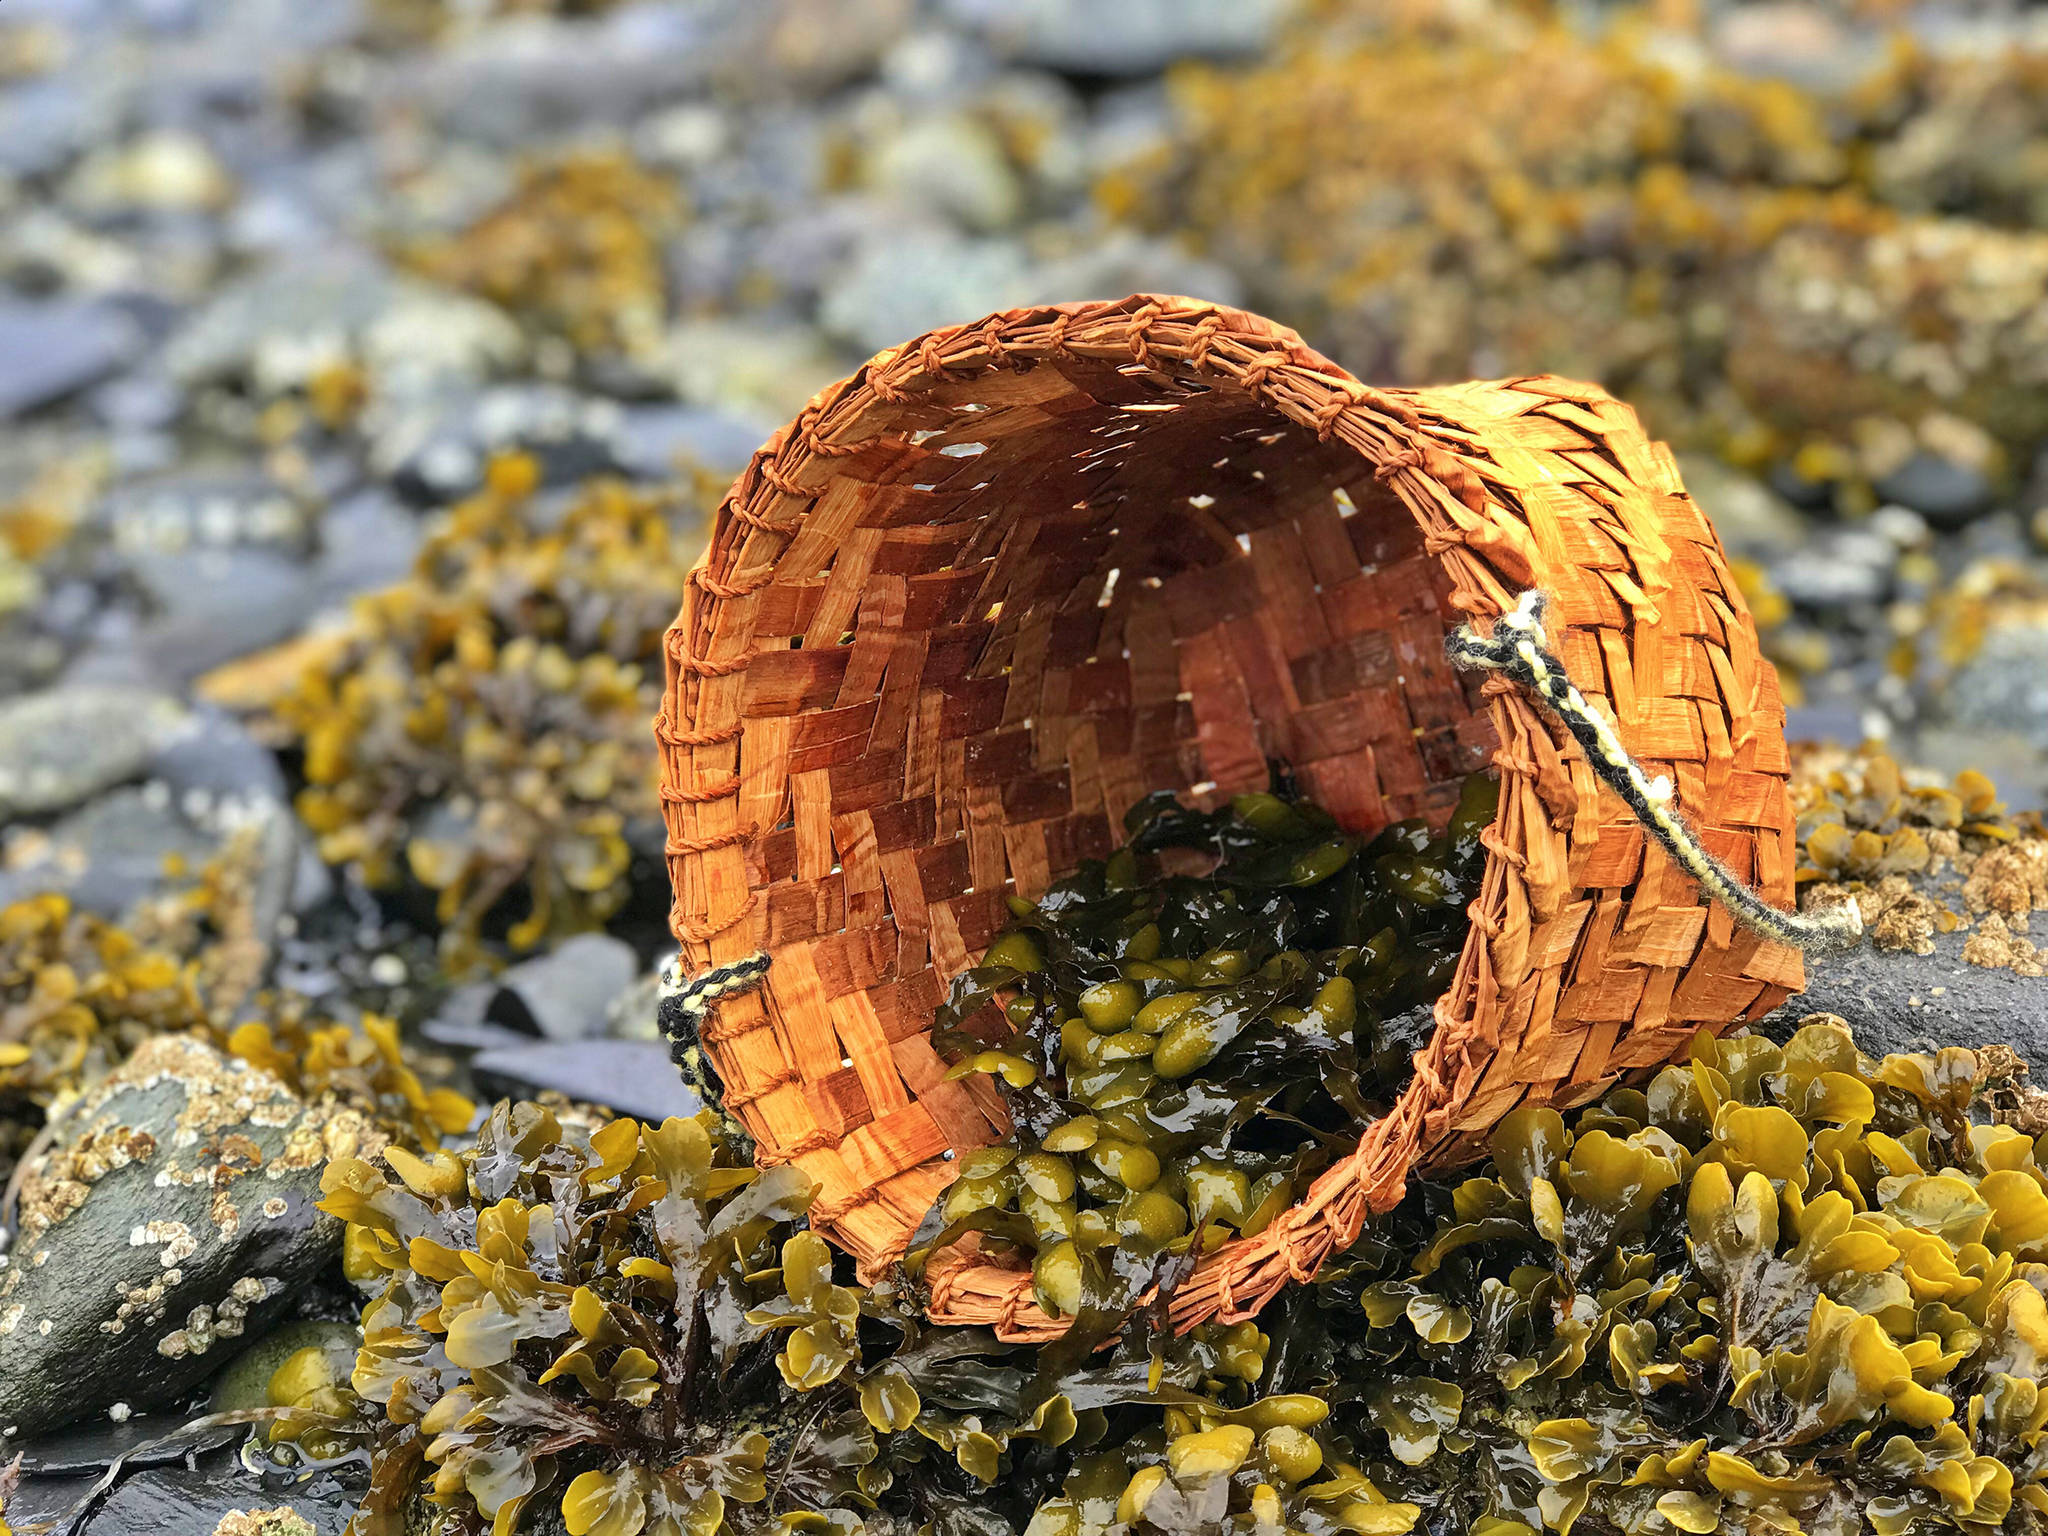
<point>984,594</point>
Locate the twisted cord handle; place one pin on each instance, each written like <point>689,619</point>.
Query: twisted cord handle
<point>1519,649</point>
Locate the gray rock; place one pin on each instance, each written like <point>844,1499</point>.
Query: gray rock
<point>60,746</point>
<point>336,295</point>
<point>1123,264</point>
<point>897,287</point>
<point>1896,1001</point>
<point>48,351</point>
<point>109,855</point>
<point>170,1222</point>
<point>200,509</point>
<point>1944,492</point>
<point>367,541</point>
<point>531,77</point>
<point>1843,569</point>
<point>114,852</point>
<point>952,165</point>
<point>276,326</point>
<point>632,1014</point>
<point>213,605</point>
<point>1133,37</point>
<point>436,450</point>
<point>1750,517</point>
<point>564,993</point>
<point>2004,686</point>
<point>43,123</point>
<point>657,440</point>
<point>139,1440</point>
<point>187,1500</point>
<point>212,755</point>
<point>937,65</point>
<point>892,291</point>
<point>758,372</point>
<point>631,1076</point>
<point>138,402</point>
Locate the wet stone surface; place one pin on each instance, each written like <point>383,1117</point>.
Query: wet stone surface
<point>1899,1001</point>
<point>168,1225</point>
<point>58,747</point>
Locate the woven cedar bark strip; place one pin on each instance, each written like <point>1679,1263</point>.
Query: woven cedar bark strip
<point>905,683</point>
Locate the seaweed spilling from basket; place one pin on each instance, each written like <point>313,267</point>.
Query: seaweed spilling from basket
<point>1204,1021</point>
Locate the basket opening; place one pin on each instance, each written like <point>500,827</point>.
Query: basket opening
<point>1180,589</point>
<point>1119,580</point>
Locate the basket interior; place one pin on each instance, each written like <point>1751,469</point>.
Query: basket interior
<point>1029,599</point>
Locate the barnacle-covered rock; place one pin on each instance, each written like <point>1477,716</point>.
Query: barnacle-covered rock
<point>1920,857</point>
<point>1190,1049</point>
<point>168,1222</point>
<point>484,728</point>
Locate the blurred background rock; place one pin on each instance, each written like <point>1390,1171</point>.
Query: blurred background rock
<point>281,276</point>
<point>284,279</point>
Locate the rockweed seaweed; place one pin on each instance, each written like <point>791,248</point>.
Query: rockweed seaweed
<point>1778,1288</point>
<point>575,252</point>
<point>1784,1288</point>
<point>629,1325</point>
<point>485,726</point>
<point>1192,1048</point>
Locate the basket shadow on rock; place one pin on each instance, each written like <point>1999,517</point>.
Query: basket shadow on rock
<point>980,597</point>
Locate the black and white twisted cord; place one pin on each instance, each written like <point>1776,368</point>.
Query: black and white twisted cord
<point>1519,649</point>
<point>685,1002</point>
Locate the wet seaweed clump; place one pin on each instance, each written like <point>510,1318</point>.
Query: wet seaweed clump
<point>1202,1023</point>
<point>484,727</point>
<point>1920,857</point>
<point>363,1065</point>
<point>629,1325</point>
<point>1825,277</point>
<point>574,252</point>
<point>1783,1288</point>
<point>78,994</point>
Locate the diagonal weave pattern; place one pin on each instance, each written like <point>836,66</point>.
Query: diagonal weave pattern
<point>981,596</point>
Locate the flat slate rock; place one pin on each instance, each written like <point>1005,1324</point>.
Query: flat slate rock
<point>634,1077</point>
<point>564,993</point>
<point>48,351</point>
<point>183,1501</point>
<point>144,1440</point>
<point>168,1227</point>
<point>1897,1001</point>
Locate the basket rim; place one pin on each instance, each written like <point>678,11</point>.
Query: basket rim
<point>1465,503</point>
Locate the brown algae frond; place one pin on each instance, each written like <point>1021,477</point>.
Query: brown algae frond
<point>485,726</point>
<point>574,251</point>
<point>1785,1287</point>
<point>1191,1049</point>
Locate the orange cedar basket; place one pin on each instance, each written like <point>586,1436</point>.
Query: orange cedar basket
<point>980,597</point>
